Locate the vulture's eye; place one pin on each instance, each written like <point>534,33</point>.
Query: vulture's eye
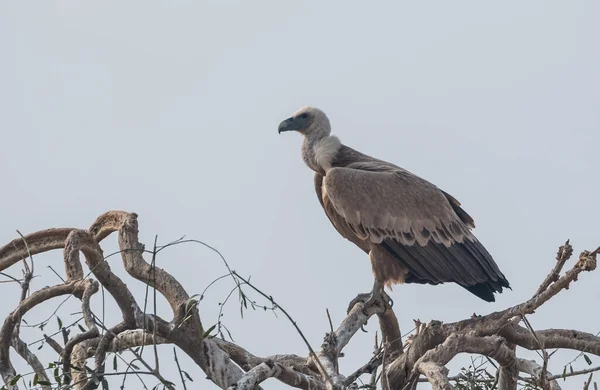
<point>303,116</point>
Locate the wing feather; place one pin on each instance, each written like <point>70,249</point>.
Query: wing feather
<point>336,219</point>
<point>421,226</point>
<point>396,203</point>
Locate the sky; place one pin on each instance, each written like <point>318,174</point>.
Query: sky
<point>170,109</point>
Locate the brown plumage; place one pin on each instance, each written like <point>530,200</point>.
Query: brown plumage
<point>413,231</point>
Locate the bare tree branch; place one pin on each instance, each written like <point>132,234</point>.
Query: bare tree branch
<point>508,373</point>
<point>230,366</point>
<point>564,253</point>
<point>437,375</point>
<point>80,240</point>
<point>23,350</point>
<point>270,369</point>
<point>8,327</point>
<point>247,361</point>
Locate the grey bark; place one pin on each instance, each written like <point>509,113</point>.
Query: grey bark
<point>424,354</point>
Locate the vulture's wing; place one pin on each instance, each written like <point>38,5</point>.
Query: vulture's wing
<point>420,225</point>
<point>337,220</point>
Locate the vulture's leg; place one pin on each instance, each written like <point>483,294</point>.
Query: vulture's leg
<point>377,294</point>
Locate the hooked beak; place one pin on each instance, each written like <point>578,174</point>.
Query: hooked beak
<point>287,125</point>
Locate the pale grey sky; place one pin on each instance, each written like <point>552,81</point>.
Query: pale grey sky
<point>170,109</point>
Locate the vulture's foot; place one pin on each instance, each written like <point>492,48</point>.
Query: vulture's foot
<point>362,298</point>
<point>376,297</point>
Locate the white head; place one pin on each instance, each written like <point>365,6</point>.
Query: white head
<point>308,121</point>
<point>319,148</point>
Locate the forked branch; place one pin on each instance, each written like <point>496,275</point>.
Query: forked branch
<point>230,366</point>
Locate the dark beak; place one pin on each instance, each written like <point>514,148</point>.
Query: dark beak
<point>286,125</point>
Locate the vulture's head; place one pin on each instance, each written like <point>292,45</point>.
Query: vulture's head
<point>308,121</point>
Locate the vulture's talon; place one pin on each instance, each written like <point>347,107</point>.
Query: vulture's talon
<point>377,296</point>
<point>362,298</point>
<point>389,302</point>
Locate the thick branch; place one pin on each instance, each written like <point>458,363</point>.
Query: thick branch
<point>491,346</point>
<point>437,375</point>
<point>214,362</point>
<point>132,254</point>
<point>502,323</point>
<point>493,335</point>
<point>6,333</point>
<point>92,332</point>
<point>390,332</point>
<point>428,337</point>
<point>23,350</point>
<point>552,338</point>
<point>270,369</point>
<point>101,350</point>
<point>37,242</point>
<point>335,342</point>
<point>80,240</point>
<point>188,336</point>
<point>494,322</point>
<point>289,369</point>
<point>353,322</point>
<point>247,361</point>
<point>508,372</point>
<point>124,341</point>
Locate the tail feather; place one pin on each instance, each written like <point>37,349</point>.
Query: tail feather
<point>485,290</point>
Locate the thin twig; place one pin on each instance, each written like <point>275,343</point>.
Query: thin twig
<point>330,322</point>
<point>310,348</point>
<point>11,277</point>
<point>153,265</point>
<point>57,274</point>
<point>580,354</point>
<point>28,252</point>
<point>586,384</point>
<point>535,337</point>
<point>179,368</point>
<point>574,373</point>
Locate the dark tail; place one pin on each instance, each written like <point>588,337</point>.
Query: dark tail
<point>485,290</point>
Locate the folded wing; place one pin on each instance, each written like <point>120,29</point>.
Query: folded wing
<point>421,226</point>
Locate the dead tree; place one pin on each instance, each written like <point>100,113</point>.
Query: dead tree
<point>395,363</point>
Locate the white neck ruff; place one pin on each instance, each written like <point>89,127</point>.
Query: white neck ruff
<point>325,150</point>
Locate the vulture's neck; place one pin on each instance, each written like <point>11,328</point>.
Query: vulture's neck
<point>319,153</point>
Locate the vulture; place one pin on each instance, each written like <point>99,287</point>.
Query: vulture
<point>412,231</point>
